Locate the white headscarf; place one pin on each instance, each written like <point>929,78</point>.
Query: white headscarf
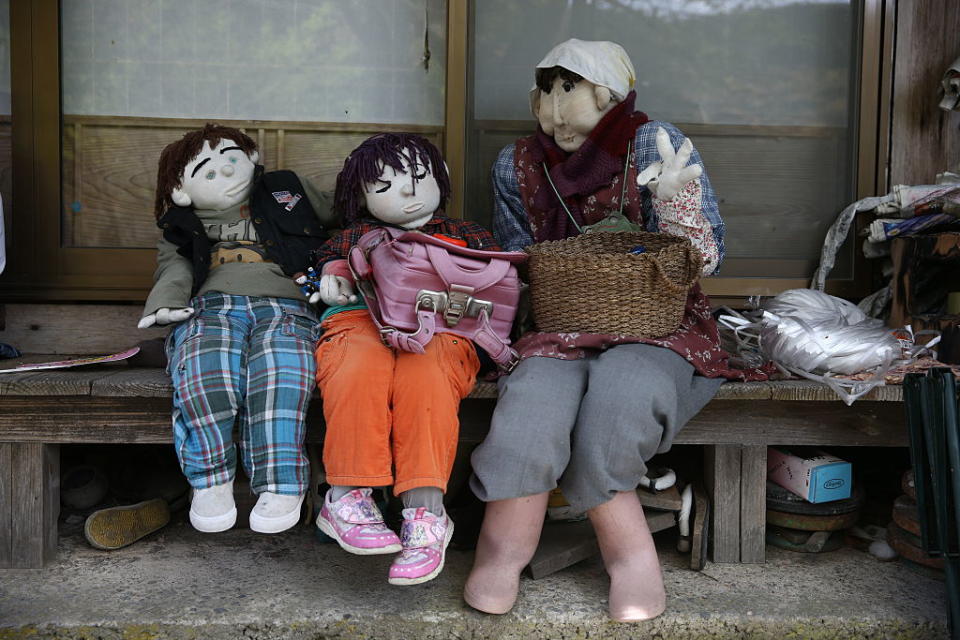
<point>603,63</point>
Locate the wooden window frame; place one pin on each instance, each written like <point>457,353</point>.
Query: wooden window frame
<point>40,269</point>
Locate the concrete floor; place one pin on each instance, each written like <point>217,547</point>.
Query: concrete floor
<point>182,584</point>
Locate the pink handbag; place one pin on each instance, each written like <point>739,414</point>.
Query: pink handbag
<point>416,285</point>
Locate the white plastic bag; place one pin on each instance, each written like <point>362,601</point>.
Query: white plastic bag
<point>815,335</point>
<point>820,333</point>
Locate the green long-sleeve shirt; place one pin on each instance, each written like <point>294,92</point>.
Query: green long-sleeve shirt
<point>173,278</point>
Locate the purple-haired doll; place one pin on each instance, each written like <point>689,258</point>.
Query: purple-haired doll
<point>391,415</point>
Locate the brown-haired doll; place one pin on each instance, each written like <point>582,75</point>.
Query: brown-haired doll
<point>241,350</point>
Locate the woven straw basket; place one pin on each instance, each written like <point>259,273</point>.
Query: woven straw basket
<point>592,284</point>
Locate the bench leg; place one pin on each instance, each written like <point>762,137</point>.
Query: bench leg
<point>722,477</point>
<point>736,478</point>
<point>29,504</point>
<point>753,504</point>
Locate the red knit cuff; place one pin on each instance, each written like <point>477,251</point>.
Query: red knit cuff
<point>337,268</point>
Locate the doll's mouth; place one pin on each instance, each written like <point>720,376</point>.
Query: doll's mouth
<point>234,190</point>
<point>413,208</point>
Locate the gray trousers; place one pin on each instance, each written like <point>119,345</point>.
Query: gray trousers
<point>587,426</point>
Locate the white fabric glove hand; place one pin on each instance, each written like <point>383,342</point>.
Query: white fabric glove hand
<point>668,176</point>
<point>165,316</point>
<point>335,290</point>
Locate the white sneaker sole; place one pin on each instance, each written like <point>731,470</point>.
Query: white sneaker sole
<point>328,529</point>
<point>276,524</point>
<point>433,574</point>
<point>214,524</point>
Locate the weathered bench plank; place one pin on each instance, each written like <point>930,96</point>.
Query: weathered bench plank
<point>119,380</point>
<point>96,419</point>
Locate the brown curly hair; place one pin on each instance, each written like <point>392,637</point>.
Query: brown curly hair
<point>176,155</point>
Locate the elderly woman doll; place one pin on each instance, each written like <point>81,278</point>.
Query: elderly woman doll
<point>391,415</point>
<point>241,350</point>
<point>590,410</point>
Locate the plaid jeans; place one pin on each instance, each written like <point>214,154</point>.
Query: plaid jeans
<point>247,361</point>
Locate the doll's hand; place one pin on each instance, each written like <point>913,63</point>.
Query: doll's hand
<point>335,290</point>
<point>165,316</point>
<point>666,177</point>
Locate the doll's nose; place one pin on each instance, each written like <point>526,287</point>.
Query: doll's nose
<point>557,116</point>
<point>227,170</point>
<point>407,188</point>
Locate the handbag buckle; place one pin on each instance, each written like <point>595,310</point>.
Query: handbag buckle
<point>384,336</point>
<point>459,301</point>
<point>453,304</point>
<point>512,363</point>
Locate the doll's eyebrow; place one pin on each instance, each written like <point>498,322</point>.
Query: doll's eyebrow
<point>197,168</point>
<point>225,149</point>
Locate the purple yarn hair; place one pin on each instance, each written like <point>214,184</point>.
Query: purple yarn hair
<point>365,164</point>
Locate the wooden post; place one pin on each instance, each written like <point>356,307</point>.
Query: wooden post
<point>722,477</point>
<point>753,503</point>
<point>924,139</point>
<point>29,504</point>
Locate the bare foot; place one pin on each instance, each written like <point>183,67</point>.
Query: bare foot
<point>636,591</point>
<point>508,540</point>
<point>629,554</point>
<point>492,588</point>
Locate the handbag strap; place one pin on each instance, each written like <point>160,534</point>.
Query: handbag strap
<point>496,347</point>
<point>478,279</point>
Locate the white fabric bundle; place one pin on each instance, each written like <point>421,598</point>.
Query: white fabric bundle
<point>819,333</point>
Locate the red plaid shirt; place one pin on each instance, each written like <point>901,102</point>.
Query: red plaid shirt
<point>339,245</point>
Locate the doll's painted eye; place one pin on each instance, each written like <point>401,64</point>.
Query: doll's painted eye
<point>384,189</point>
<point>420,176</point>
<point>210,175</point>
<point>233,159</point>
<point>567,86</point>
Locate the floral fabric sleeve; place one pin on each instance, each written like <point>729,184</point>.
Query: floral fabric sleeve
<point>701,207</point>
<point>683,216</point>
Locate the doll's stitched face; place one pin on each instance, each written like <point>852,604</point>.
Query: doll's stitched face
<point>218,178</point>
<point>406,198</point>
<point>571,110</point>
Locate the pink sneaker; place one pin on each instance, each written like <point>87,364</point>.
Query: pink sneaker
<point>356,524</point>
<point>425,538</point>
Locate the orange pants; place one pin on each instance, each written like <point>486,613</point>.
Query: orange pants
<point>391,415</point>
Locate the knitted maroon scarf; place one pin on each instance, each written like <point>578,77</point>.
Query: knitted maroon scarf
<point>581,173</point>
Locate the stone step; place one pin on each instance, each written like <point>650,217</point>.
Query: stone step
<point>178,583</point>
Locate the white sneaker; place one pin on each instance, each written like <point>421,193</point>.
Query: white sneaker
<point>274,513</point>
<point>213,509</point>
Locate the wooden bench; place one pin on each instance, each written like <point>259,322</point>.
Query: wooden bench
<point>121,404</point>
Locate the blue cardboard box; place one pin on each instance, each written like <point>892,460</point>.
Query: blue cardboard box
<point>812,474</point>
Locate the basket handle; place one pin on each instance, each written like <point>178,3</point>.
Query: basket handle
<point>692,273</point>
